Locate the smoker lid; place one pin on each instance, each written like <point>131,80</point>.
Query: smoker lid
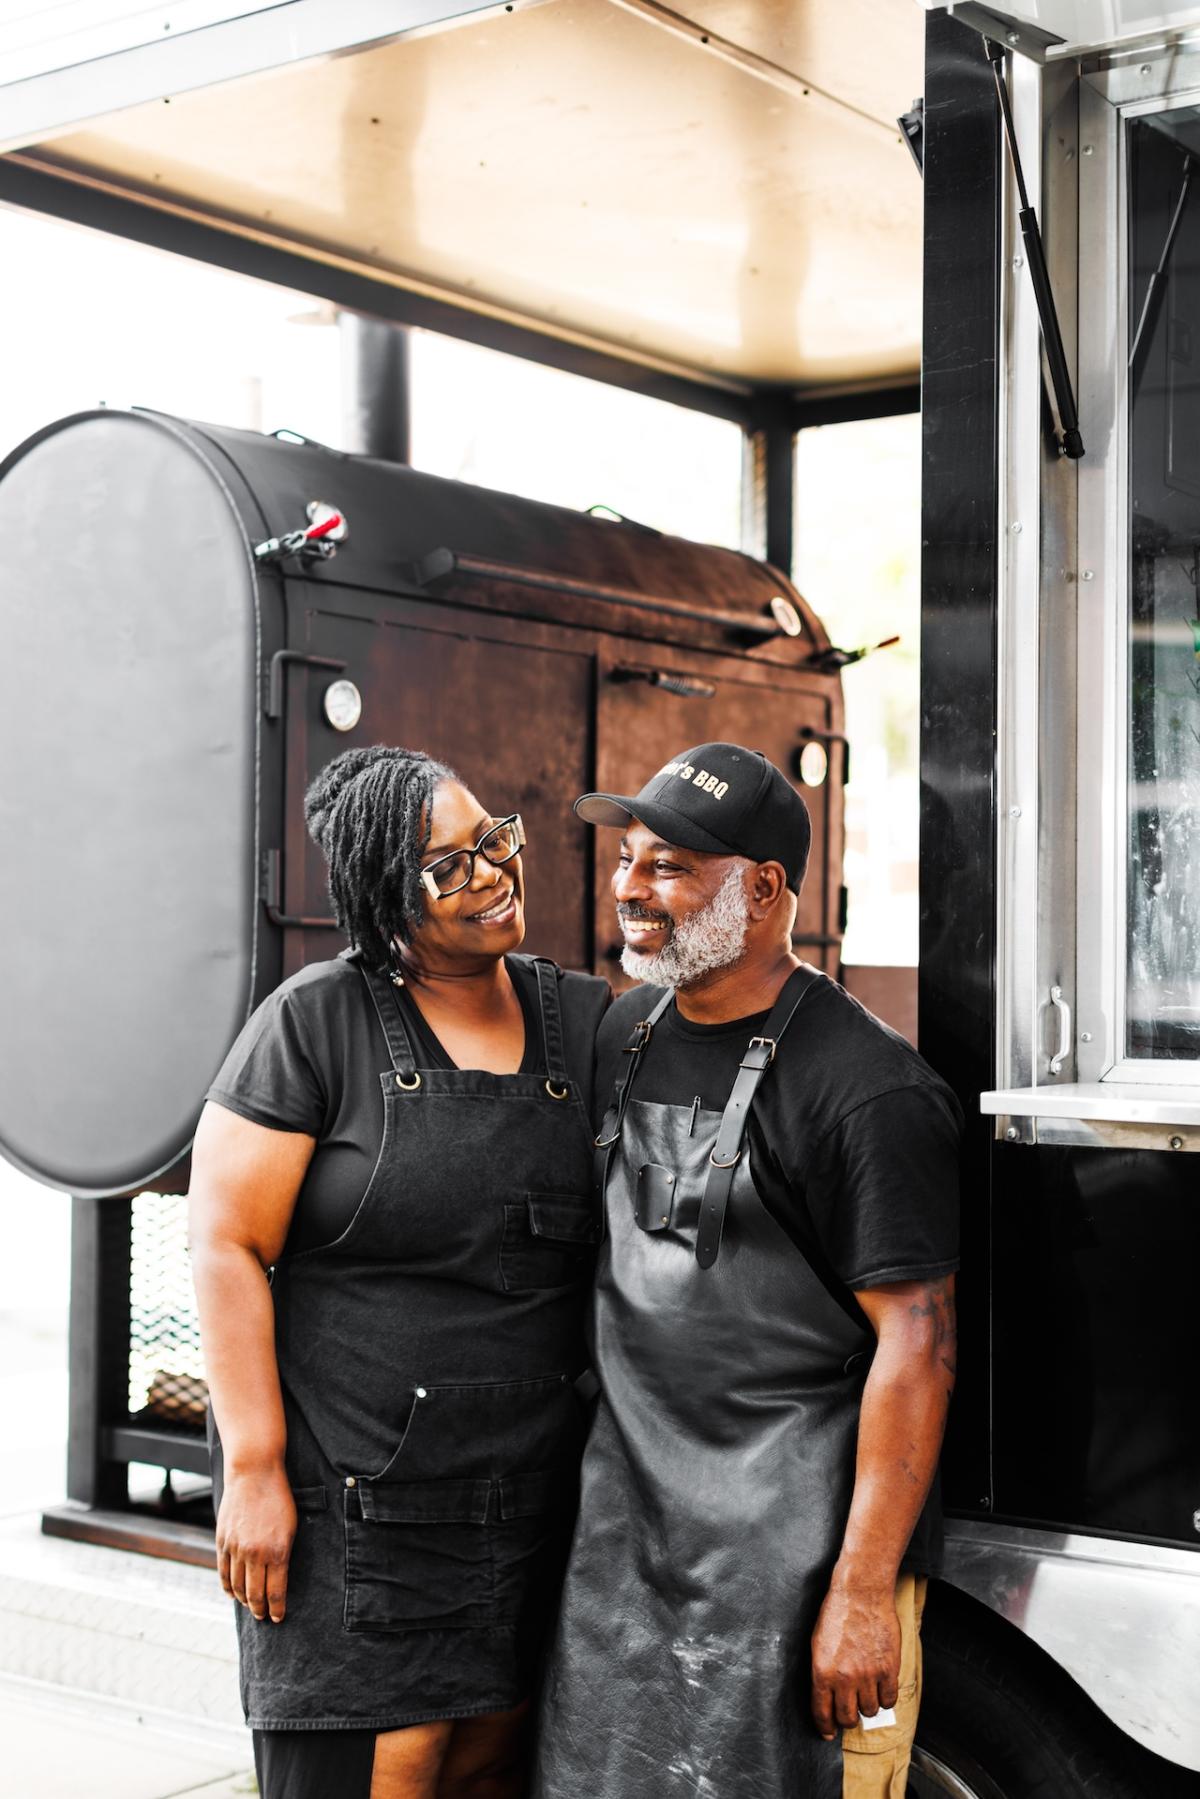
<point>127,736</point>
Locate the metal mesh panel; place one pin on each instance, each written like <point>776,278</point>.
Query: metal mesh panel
<point>166,1367</point>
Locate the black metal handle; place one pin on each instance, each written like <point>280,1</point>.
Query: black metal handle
<point>439,564</point>
<point>272,893</point>
<point>688,687</point>
<point>274,706</point>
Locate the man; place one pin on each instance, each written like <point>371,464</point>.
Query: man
<point>773,1336</point>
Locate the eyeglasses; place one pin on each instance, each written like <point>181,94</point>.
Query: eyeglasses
<point>499,844</point>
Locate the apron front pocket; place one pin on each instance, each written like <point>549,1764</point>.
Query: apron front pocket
<point>548,1240</point>
<point>417,1554</point>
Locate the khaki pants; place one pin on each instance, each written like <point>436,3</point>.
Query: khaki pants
<point>875,1762</point>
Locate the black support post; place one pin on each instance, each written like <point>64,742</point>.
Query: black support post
<point>769,482</point>
<point>375,385</point>
<point>98,1349</point>
<point>958,666</point>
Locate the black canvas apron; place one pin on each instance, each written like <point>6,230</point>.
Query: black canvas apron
<point>716,1482</point>
<point>427,1358</point>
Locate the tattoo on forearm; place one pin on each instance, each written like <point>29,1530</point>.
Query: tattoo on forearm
<point>936,1302</point>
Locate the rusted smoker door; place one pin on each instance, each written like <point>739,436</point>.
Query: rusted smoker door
<point>512,717</point>
<point>649,706</point>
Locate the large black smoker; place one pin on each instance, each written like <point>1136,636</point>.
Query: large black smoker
<point>212,615</point>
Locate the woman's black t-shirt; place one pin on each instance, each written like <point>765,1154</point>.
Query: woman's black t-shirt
<point>309,1059</point>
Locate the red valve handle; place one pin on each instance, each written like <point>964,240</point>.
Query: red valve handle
<point>322,529</point>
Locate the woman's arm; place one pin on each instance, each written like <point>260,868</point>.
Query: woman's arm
<point>245,1179</point>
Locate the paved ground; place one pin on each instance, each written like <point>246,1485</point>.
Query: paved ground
<point>57,1741</point>
<point>62,1747</point>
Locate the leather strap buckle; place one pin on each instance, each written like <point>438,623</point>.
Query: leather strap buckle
<point>767,1043</point>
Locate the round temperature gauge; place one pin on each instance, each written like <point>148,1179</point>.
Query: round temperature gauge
<point>814,764</point>
<point>342,705</point>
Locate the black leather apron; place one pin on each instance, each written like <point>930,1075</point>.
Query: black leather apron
<point>716,1482</point>
<point>427,1358</point>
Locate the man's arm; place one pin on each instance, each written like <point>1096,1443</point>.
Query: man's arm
<point>856,1645</point>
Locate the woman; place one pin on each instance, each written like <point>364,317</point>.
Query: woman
<point>391,1223</point>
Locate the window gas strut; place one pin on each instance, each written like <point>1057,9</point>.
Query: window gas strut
<point>1056,356</point>
<point>1150,303</point>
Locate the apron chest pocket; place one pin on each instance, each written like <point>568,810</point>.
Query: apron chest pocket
<point>548,1240</point>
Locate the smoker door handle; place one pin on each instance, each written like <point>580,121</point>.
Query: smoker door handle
<point>272,891</point>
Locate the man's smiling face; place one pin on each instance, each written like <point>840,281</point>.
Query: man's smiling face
<point>682,913</point>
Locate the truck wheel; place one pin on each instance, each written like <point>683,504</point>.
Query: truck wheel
<point>1001,1720</point>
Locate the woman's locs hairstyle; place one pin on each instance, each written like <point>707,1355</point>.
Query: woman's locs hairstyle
<point>369,810</point>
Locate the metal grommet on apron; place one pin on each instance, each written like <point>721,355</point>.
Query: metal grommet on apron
<point>718,1473</point>
<point>426,1358</point>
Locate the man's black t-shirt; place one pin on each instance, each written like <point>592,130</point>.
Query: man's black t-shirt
<point>853,1141</point>
<point>853,1138</point>
<point>309,1059</point>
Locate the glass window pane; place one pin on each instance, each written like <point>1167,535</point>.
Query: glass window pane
<point>858,563</point>
<point>1163,820</point>
<point>501,422</point>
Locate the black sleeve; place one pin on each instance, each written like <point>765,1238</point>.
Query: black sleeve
<point>882,1188</point>
<point>272,1075</point>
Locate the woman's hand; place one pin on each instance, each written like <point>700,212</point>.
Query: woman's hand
<point>256,1527</point>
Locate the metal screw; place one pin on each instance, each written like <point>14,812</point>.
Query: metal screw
<point>1018,262</point>
<point>1016,528</point>
<point>1145,69</point>
<point>1085,1036</point>
<point>985,1505</point>
<point>1175,1142</point>
<point>1087,150</point>
<point>1087,574</point>
<point>1196,1520</point>
<point>1011,1134</point>
<point>1012,37</point>
<point>1014,811</point>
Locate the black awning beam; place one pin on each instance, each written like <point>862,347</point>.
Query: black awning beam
<point>1056,357</point>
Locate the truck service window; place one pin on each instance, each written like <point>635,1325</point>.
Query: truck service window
<point>1163,818</point>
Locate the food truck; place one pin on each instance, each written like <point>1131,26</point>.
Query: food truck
<point>1054,214</point>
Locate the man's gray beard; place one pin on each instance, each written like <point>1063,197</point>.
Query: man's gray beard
<point>714,937</point>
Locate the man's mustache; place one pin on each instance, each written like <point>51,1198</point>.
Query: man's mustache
<point>627,911</point>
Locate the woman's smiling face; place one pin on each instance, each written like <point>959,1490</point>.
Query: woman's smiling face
<point>486,918</point>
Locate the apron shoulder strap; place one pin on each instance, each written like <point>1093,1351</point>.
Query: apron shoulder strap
<point>727,1150</point>
<point>614,1118</point>
<point>557,1084</point>
<point>386,1001</point>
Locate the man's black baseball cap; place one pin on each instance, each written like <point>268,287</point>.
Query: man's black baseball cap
<point>720,798</point>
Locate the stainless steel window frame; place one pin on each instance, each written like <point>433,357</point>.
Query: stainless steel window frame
<point>1062,751</point>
